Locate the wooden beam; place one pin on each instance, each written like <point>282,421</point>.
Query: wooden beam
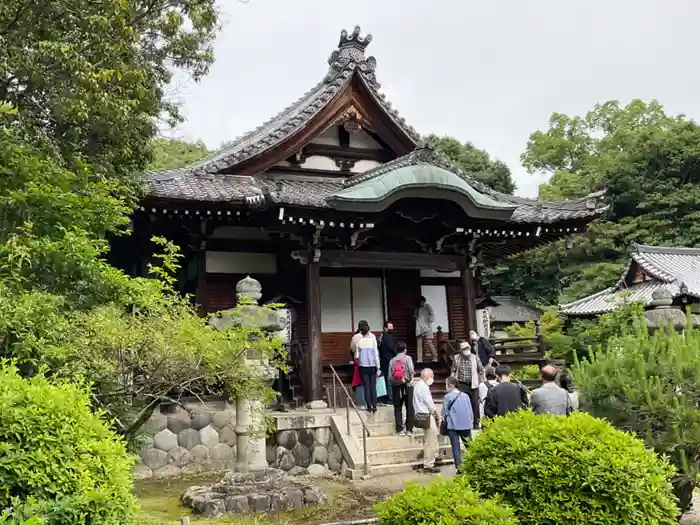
<point>469,297</point>
<point>348,152</point>
<point>313,390</point>
<point>402,261</point>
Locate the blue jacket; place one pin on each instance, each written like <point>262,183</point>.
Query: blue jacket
<point>457,411</point>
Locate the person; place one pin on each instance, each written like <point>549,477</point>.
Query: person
<point>567,384</point>
<point>387,351</point>
<point>424,407</point>
<point>364,344</point>
<point>550,398</point>
<point>484,350</point>
<point>357,381</point>
<point>401,372</point>
<point>485,388</point>
<point>469,373</point>
<point>425,316</point>
<point>459,419</point>
<point>507,396</point>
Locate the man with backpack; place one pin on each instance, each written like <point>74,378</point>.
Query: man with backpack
<point>401,373</point>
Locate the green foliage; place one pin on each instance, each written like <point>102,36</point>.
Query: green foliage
<point>59,463</point>
<point>648,161</point>
<point>87,79</point>
<point>528,373</point>
<point>447,502</point>
<point>557,344</point>
<point>649,384</point>
<point>569,471</point>
<point>173,153</point>
<point>476,162</point>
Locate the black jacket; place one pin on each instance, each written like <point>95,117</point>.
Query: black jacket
<point>387,347</point>
<point>484,350</point>
<point>504,398</point>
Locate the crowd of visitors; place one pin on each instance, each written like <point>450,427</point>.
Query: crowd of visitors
<point>478,386</point>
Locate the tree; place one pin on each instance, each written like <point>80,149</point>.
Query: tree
<point>649,163</point>
<point>649,384</point>
<point>174,153</point>
<point>475,162</point>
<point>88,79</point>
<point>82,85</point>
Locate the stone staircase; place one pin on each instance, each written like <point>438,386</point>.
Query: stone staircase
<point>387,453</point>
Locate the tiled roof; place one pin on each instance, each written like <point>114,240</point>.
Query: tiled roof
<point>303,190</point>
<point>346,62</point>
<point>676,269</point>
<point>509,309</point>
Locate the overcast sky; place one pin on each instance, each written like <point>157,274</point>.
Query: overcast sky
<point>486,71</point>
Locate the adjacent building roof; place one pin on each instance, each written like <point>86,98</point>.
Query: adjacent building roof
<point>674,269</point>
<point>508,309</point>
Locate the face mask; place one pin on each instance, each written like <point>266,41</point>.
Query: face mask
<point>465,352</point>
<point>430,381</point>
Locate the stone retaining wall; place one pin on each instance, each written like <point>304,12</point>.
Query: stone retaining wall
<point>312,450</point>
<point>178,442</point>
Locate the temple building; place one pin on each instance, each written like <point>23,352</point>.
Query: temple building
<point>652,269</point>
<point>341,212</point>
<point>506,310</point>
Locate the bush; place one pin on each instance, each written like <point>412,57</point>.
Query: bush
<point>59,463</point>
<point>527,373</point>
<point>449,502</point>
<point>570,471</point>
<point>649,384</point>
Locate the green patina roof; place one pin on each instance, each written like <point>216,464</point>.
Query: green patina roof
<point>417,176</point>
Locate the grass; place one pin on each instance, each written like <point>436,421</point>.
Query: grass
<point>160,504</point>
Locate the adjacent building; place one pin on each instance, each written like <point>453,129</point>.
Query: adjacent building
<point>654,271</point>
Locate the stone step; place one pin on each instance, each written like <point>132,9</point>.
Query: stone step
<point>404,455</point>
<point>398,468</point>
<point>393,442</point>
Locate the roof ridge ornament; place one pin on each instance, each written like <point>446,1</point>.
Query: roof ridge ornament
<point>350,55</point>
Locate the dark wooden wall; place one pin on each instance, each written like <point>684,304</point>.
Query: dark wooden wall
<point>218,292</point>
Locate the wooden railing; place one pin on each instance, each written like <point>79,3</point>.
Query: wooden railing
<point>510,350</point>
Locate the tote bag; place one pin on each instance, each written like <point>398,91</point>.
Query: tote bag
<point>381,386</point>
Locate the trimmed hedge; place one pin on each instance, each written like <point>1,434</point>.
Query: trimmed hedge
<point>570,471</point>
<point>449,502</point>
<point>59,463</point>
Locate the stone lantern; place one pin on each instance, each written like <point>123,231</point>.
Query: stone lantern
<point>251,451</point>
<point>663,312</point>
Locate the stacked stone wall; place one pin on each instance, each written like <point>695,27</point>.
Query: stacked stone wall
<point>177,442</point>
<point>298,451</point>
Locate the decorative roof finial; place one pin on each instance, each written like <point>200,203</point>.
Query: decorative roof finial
<point>354,40</point>
<point>350,56</point>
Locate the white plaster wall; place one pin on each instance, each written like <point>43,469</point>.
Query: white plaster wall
<point>436,296</point>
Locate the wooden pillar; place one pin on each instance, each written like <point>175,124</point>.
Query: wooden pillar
<point>314,374</point>
<point>469,297</point>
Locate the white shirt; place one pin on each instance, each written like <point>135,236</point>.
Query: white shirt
<point>422,399</point>
<point>369,343</point>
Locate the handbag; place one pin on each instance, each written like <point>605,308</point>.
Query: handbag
<point>381,386</point>
<point>421,421</point>
<point>443,423</point>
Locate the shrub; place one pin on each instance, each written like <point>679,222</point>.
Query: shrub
<point>649,384</point>
<point>527,373</point>
<point>449,502</point>
<point>570,471</point>
<point>59,463</point>
<point>557,344</point>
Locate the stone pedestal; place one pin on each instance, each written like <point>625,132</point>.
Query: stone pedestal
<point>250,438</point>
